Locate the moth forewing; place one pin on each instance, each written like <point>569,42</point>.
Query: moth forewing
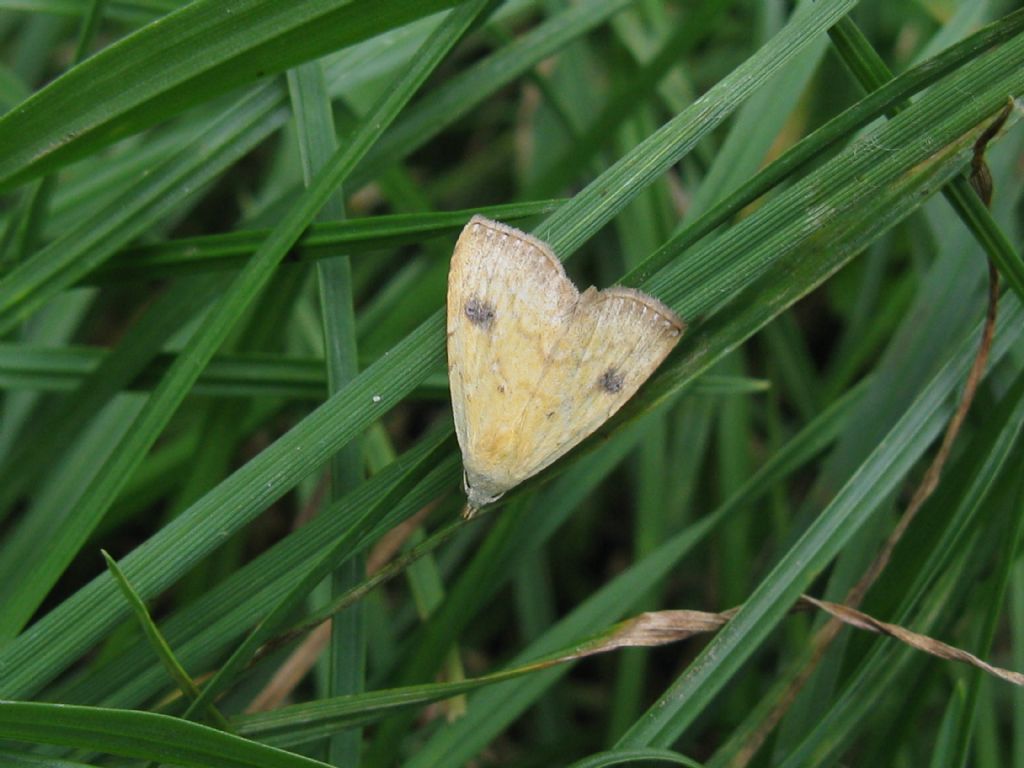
<point>535,366</point>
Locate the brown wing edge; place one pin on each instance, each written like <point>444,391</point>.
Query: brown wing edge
<point>615,291</point>
<point>518,234</point>
<point>672,320</point>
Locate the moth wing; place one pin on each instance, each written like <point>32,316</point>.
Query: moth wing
<point>506,293</point>
<point>614,342</point>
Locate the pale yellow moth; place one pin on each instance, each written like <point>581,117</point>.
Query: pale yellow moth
<point>534,365</point>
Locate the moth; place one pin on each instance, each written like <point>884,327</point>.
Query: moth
<point>534,365</point>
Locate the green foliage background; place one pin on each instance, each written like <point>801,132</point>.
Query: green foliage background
<point>225,240</point>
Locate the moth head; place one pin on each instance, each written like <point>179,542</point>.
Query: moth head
<point>477,496</point>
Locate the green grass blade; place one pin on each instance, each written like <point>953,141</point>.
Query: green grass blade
<point>944,535</point>
<point>159,644</point>
<point>210,146</point>
<point>44,571</point>
<point>488,714</point>
<point>200,633</point>
<point>58,425</point>
<point>571,225</point>
<point>629,96</point>
<point>872,73</point>
<point>627,756</point>
<point>429,116</point>
<point>994,598</point>
<point>353,236</point>
<point>62,369</point>
<point>243,495</point>
<point>317,142</point>
<point>38,202</point>
<point>142,735</point>
<point>193,54</point>
<point>695,688</point>
<point>126,11</point>
<point>727,167</point>
<point>340,550</point>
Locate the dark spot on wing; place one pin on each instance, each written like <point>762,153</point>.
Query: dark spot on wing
<point>501,389</point>
<point>480,313</point>
<point>611,381</point>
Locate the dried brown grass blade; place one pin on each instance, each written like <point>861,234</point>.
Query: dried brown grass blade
<point>860,620</point>
<point>655,628</point>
